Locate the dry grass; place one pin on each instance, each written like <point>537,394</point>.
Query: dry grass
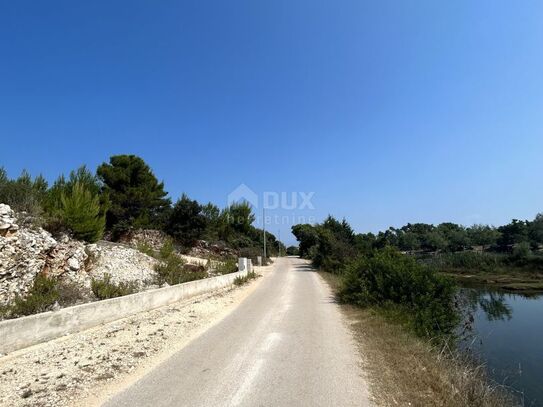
<point>404,370</point>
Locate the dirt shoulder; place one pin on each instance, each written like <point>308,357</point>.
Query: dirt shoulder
<point>404,370</point>
<point>83,369</point>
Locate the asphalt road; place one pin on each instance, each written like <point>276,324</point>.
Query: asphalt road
<point>284,345</point>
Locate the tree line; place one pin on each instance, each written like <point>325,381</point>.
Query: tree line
<point>122,195</point>
<point>445,237</point>
<point>376,270</point>
<point>452,237</point>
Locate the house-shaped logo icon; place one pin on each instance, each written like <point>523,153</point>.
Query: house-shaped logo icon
<point>243,194</point>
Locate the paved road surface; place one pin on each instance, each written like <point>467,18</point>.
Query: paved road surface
<point>284,345</point>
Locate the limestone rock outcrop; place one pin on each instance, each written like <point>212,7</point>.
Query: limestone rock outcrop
<point>26,251</point>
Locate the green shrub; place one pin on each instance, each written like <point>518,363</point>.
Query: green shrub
<point>391,280</point>
<point>70,293</point>
<point>80,212</point>
<point>104,288</point>
<point>173,272</point>
<point>226,267</point>
<point>245,279</point>
<point>146,249</point>
<point>167,250</point>
<point>521,251</point>
<point>42,295</point>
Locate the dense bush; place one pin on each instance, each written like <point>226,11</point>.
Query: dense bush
<point>330,245</point>
<point>41,296</point>
<point>226,267</point>
<point>173,271</point>
<point>186,222</point>
<point>172,268</point>
<point>104,288</point>
<point>388,278</point>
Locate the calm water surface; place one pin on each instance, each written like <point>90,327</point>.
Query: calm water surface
<point>508,338</point>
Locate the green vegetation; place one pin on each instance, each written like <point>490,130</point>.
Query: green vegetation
<point>245,279</point>
<point>226,267</point>
<point>450,237</point>
<point>23,194</point>
<point>137,198</point>
<point>382,278</point>
<point>146,249</point>
<point>488,254</point>
<point>80,212</point>
<point>124,195</point>
<point>41,296</point>
<point>409,371</point>
<point>397,283</point>
<point>104,288</point>
<point>173,270</point>
<point>293,251</point>
<point>186,222</point>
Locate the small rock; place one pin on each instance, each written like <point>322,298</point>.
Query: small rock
<point>73,263</point>
<point>26,393</point>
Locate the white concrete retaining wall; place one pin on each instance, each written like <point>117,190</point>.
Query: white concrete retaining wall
<point>26,331</point>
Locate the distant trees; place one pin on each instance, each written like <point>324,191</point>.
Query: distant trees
<point>293,251</point>
<point>535,230</point>
<point>514,232</point>
<point>137,198</point>
<point>413,237</point>
<point>307,236</point>
<point>483,235</point>
<point>329,244</point>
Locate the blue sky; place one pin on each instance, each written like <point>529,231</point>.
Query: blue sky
<point>389,111</point>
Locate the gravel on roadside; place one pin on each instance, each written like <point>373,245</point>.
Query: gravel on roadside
<point>68,370</point>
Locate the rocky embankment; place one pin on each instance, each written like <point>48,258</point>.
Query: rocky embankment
<point>27,250</point>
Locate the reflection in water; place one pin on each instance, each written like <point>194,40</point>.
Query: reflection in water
<point>492,303</point>
<point>503,331</point>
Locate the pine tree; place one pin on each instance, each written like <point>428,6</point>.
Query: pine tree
<point>137,198</point>
<point>80,212</point>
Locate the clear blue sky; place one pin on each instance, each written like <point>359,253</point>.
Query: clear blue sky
<point>389,111</point>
